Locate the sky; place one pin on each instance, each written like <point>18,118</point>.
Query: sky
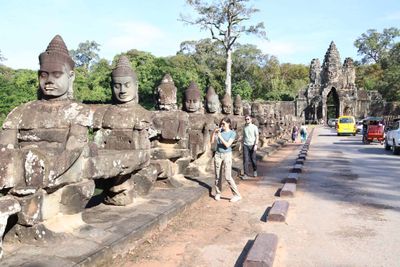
<point>297,30</point>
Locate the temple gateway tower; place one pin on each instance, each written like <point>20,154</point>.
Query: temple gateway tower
<point>332,92</point>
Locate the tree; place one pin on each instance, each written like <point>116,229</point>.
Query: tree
<point>2,58</point>
<point>86,54</point>
<point>226,22</point>
<point>375,46</point>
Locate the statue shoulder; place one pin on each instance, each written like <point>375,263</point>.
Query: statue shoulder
<point>79,113</point>
<point>14,118</point>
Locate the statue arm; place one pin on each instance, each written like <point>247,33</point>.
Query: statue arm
<point>8,138</point>
<point>76,142</point>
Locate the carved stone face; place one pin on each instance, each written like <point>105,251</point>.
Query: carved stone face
<point>192,104</point>
<point>227,108</point>
<point>257,110</point>
<point>125,89</point>
<point>56,83</point>
<point>238,109</point>
<point>213,104</point>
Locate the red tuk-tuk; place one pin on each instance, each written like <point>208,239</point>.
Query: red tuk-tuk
<point>373,129</point>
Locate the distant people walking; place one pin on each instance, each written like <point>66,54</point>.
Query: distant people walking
<point>295,133</point>
<point>303,133</point>
<point>223,156</point>
<point>250,143</point>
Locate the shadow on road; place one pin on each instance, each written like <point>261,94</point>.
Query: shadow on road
<point>242,257</point>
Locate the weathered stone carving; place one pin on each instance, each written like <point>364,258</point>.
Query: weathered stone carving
<point>315,71</point>
<point>192,100</point>
<point>349,73</point>
<point>212,101</point>
<point>44,145</point>
<point>336,82</point>
<point>227,104</point>
<point>166,94</point>
<point>238,106</point>
<point>332,67</point>
<point>170,148</point>
<point>123,140</point>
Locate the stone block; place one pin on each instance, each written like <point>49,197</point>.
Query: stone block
<point>297,168</point>
<point>182,164</point>
<point>144,180</point>
<point>292,177</point>
<point>165,167</point>
<point>31,208</point>
<point>75,197</point>
<point>288,190</point>
<point>8,206</point>
<point>278,211</point>
<point>262,253</point>
<point>11,168</point>
<point>302,156</point>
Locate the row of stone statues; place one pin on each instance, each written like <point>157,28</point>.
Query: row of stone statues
<point>51,164</point>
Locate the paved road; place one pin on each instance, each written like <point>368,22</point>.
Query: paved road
<point>346,213</point>
<point>347,210</point>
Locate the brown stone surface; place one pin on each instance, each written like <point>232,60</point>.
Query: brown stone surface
<point>262,253</point>
<point>278,211</point>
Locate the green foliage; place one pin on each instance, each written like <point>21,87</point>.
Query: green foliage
<point>375,46</point>
<point>243,89</point>
<point>227,21</point>
<point>86,54</point>
<point>368,76</point>
<point>16,87</point>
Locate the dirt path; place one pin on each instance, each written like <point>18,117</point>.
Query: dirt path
<point>212,233</point>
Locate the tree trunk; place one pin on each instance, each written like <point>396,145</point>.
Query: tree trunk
<point>228,79</point>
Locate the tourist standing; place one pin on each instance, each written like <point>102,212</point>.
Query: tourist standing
<point>250,143</point>
<point>223,156</point>
<point>303,133</point>
<point>295,133</point>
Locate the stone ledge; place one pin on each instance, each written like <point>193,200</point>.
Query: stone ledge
<point>262,253</point>
<point>278,211</point>
<point>113,230</point>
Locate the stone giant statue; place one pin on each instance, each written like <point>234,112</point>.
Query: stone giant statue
<point>122,138</point>
<point>44,145</point>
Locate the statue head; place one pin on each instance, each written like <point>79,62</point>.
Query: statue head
<point>56,73</point>
<point>124,82</point>
<point>227,104</point>
<point>246,108</point>
<point>257,109</point>
<point>166,94</point>
<point>238,106</point>
<point>212,101</point>
<point>192,98</point>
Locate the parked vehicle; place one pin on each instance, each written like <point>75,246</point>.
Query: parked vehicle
<point>373,129</point>
<point>392,139</point>
<point>332,122</point>
<point>346,125</point>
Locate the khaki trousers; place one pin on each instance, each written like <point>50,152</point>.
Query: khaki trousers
<point>224,159</point>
